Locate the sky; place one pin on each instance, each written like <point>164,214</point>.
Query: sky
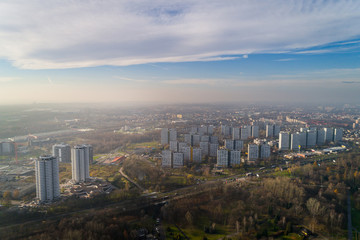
<point>188,51</point>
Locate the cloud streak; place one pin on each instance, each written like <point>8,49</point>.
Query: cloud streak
<point>71,34</point>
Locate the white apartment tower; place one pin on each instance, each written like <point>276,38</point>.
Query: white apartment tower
<point>47,178</point>
<point>253,152</point>
<point>174,146</point>
<point>80,160</point>
<point>320,140</point>
<point>235,158</point>
<point>62,152</point>
<point>311,138</point>
<point>164,136</point>
<point>255,131</point>
<point>229,144</point>
<point>276,130</point>
<point>196,139</point>
<point>245,132</point>
<point>204,148</point>
<point>178,160</point>
<point>284,141</point>
<point>269,130</point>
<point>213,149</point>
<point>264,150</point>
<point>223,157</point>
<point>338,134</point>
<point>329,134</point>
<point>196,155</point>
<point>166,158</point>
<point>239,144</point>
<point>172,134</point>
<point>235,133</point>
<point>295,141</point>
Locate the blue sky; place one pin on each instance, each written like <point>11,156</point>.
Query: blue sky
<point>179,51</point>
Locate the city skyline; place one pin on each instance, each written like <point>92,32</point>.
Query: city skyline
<point>179,51</point>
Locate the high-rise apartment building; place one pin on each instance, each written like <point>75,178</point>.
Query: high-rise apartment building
<point>238,145</point>
<point>255,131</point>
<point>174,146</point>
<point>229,144</point>
<point>62,152</point>
<point>276,130</point>
<point>320,139</point>
<point>172,134</point>
<point>166,158</point>
<point>178,160</point>
<point>329,134</point>
<point>196,155</point>
<point>47,178</point>
<point>204,148</point>
<point>253,152</point>
<point>80,160</point>
<point>269,130</point>
<point>264,150</point>
<point>188,139</point>
<point>223,157</point>
<point>302,139</point>
<point>235,158</point>
<point>295,141</point>
<point>164,136</point>
<point>311,138</point>
<point>235,133</point>
<point>205,138</point>
<point>245,132</point>
<point>214,139</point>
<point>284,141</point>
<point>213,149</point>
<point>338,134</point>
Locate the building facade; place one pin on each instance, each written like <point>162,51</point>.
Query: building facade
<point>80,160</point>
<point>47,178</point>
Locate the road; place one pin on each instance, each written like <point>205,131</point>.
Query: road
<point>130,180</point>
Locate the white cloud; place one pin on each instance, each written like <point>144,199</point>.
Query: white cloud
<point>66,34</point>
<point>285,59</point>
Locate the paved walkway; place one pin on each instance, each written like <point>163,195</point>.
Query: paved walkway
<point>130,180</point>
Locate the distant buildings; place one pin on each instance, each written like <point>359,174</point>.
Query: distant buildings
<point>164,136</point>
<point>222,157</point>
<point>236,133</point>
<point>166,158</point>
<point>235,158</point>
<point>213,149</point>
<point>196,155</point>
<point>173,146</point>
<point>245,132</point>
<point>264,150</point>
<point>253,152</point>
<point>6,148</point>
<point>338,134</point>
<point>229,144</point>
<point>311,138</point>
<point>284,141</point>
<point>178,159</point>
<point>272,130</point>
<point>62,152</point>
<point>47,178</point>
